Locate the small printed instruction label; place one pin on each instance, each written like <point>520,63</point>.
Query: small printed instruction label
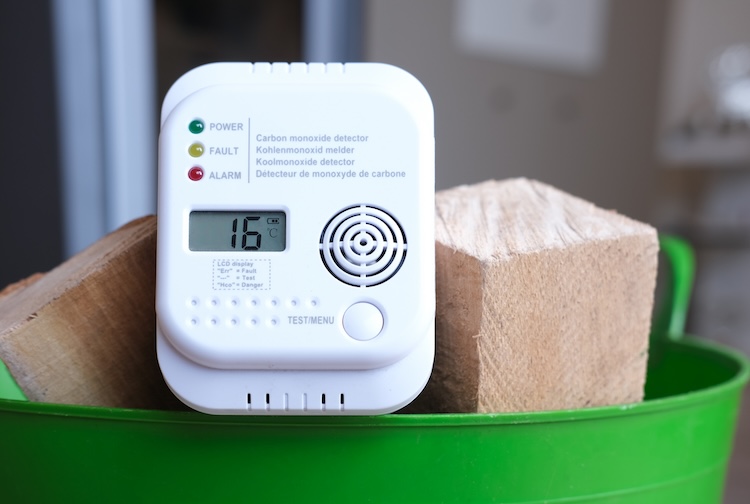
<point>241,274</point>
<point>321,156</point>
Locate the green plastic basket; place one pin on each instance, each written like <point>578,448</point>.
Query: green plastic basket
<point>673,447</point>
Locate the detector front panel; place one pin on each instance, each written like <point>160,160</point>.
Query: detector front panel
<point>295,249</point>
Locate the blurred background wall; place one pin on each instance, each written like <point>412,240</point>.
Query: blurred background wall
<point>630,117</point>
<point>30,196</point>
<point>619,102</point>
<point>638,106</point>
<point>588,130</point>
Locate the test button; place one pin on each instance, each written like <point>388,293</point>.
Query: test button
<point>363,321</point>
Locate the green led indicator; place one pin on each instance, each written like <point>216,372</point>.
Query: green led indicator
<point>196,126</point>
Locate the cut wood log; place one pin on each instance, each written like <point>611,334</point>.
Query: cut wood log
<point>84,332</point>
<point>544,301</point>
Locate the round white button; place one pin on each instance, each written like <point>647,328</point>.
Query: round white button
<point>363,321</point>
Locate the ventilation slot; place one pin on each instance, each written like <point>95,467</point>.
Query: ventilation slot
<point>299,402</point>
<point>298,68</point>
<point>265,405</point>
<point>327,404</point>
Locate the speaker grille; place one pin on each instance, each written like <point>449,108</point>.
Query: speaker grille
<point>363,245</point>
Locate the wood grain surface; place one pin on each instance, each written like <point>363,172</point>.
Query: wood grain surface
<point>543,301</point>
<point>83,333</point>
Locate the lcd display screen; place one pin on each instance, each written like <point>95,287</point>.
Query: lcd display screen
<point>252,231</point>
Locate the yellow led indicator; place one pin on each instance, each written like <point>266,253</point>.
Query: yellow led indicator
<point>196,150</point>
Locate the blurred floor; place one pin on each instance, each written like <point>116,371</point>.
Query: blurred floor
<point>719,312</point>
<point>738,480</point>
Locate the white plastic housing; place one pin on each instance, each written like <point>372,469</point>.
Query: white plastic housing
<point>341,321</point>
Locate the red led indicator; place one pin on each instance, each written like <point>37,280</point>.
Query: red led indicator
<point>195,173</point>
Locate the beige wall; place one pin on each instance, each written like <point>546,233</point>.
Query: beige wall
<point>594,136</point>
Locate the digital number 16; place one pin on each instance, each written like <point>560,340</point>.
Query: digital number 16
<point>250,239</point>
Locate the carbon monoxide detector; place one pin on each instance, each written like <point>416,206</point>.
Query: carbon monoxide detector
<point>295,245</point>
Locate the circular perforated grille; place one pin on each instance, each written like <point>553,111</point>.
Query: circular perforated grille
<point>363,246</point>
